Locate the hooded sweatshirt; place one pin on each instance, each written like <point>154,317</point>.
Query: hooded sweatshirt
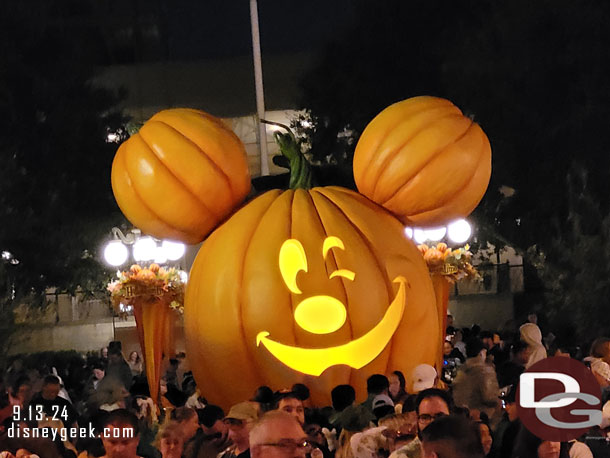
<point>531,335</point>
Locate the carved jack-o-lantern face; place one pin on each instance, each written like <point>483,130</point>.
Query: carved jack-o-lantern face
<point>320,287</point>
<point>323,314</point>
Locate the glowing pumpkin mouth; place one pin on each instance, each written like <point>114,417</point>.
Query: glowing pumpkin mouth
<point>356,354</point>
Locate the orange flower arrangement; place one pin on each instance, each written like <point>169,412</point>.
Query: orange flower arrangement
<point>149,284</point>
<point>454,264</point>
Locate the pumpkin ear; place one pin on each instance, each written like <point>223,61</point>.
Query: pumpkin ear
<point>180,175</point>
<point>423,160</point>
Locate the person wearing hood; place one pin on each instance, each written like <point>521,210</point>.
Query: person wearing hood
<point>531,335</point>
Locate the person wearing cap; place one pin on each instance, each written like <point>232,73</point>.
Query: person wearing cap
<point>424,376</point>
<point>376,384</point>
<point>382,406</point>
<point>431,404</point>
<point>476,385</point>
<point>240,420</point>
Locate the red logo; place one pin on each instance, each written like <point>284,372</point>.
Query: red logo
<point>558,399</point>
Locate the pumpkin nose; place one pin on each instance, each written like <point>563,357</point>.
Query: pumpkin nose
<point>320,314</point>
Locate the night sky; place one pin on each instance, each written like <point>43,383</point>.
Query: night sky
<point>221,28</point>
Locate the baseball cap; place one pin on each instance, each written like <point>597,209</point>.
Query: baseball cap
<point>382,400</point>
<point>424,377</point>
<point>244,411</point>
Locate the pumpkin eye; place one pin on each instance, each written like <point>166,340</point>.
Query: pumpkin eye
<point>336,242</point>
<point>292,260</point>
<point>343,273</point>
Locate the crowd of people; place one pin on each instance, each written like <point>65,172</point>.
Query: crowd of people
<point>466,411</point>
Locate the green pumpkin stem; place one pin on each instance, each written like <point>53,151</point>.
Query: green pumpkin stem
<point>300,169</point>
<point>133,127</point>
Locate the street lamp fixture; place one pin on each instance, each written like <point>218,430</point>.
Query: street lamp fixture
<point>458,231</point>
<point>144,248</point>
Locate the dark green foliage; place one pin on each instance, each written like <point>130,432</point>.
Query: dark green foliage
<point>56,203</point>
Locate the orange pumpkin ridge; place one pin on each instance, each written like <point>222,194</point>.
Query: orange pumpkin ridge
<point>209,161</point>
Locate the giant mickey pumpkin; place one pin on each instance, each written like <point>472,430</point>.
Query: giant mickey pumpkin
<point>237,291</point>
<point>317,285</point>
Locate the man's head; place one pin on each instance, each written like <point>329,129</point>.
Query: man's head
<point>50,388</point>
<point>170,441</point>
<point>98,371</point>
<point>601,349</point>
<point>449,320</point>
<point>476,349</point>
<point>302,392</point>
<point>342,396</point>
<point>487,338</point>
<point>290,403</point>
<point>188,421</point>
<point>521,352</point>
<point>447,348</point>
<point>452,437</point>
<point>430,405</point>
<point>278,435</point>
<point>115,356</point>
<point>22,390</point>
<point>239,421</point>
<point>120,434</point>
<point>211,419</point>
<point>377,384</point>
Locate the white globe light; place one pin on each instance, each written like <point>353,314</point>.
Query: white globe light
<point>459,231</point>
<point>115,253</point>
<point>145,249</point>
<point>160,255</point>
<point>435,234</point>
<point>173,250</point>
<point>183,276</point>
<point>409,232</point>
<point>419,236</point>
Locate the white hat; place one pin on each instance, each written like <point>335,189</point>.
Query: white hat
<point>424,377</point>
<point>382,400</point>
